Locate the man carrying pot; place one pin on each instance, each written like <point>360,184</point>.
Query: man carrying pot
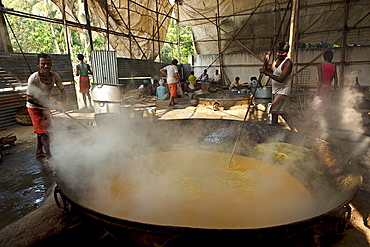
<point>281,74</point>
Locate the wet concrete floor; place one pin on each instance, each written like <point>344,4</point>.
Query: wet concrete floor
<point>26,180</point>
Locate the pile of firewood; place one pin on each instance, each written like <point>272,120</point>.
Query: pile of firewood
<point>136,96</point>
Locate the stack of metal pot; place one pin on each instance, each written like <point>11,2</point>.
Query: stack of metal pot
<point>107,98</point>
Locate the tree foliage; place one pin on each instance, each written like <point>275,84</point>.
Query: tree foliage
<point>170,51</point>
<point>34,36</point>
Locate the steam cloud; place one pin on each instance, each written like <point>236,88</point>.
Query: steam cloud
<point>91,155</point>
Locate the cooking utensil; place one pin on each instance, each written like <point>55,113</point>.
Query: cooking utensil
<point>263,92</point>
<point>65,113</point>
<point>332,182</point>
<point>241,128</point>
<point>107,93</point>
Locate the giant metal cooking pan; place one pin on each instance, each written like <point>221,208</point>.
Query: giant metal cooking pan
<point>332,183</point>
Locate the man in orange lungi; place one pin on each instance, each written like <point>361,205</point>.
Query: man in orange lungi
<point>83,70</point>
<point>173,77</point>
<point>40,85</point>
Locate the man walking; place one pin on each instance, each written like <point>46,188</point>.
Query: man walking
<point>172,74</point>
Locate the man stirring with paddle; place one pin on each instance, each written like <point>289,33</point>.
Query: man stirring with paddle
<point>40,85</point>
<point>281,74</point>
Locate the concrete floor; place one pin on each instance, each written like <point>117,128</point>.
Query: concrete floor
<point>26,181</point>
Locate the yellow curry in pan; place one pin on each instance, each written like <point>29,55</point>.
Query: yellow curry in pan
<point>197,189</point>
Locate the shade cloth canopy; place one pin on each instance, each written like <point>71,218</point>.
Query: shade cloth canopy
<point>140,26</point>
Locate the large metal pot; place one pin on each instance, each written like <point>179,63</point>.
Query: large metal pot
<point>332,182</point>
<point>106,92</point>
<point>264,92</point>
<point>107,106</point>
<point>106,120</point>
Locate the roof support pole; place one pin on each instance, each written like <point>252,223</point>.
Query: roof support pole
<point>292,28</point>
<point>221,60</point>
<point>296,47</point>
<point>153,43</point>
<point>87,15</point>
<point>220,56</point>
<point>65,27</point>
<point>178,32</point>
<point>129,26</point>
<point>158,33</point>
<point>107,22</point>
<point>344,45</point>
<point>276,33</point>
<point>5,44</point>
<point>276,29</point>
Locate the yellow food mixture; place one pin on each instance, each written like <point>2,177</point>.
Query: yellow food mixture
<point>197,189</point>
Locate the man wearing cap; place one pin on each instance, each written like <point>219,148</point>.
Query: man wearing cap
<point>145,87</point>
<point>281,74</point>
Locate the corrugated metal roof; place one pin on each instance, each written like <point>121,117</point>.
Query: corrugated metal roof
<point>104,65</point>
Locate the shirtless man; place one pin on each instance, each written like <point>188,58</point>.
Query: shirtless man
<point>281,74</point>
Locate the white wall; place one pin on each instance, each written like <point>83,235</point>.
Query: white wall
<point>245,65</point>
